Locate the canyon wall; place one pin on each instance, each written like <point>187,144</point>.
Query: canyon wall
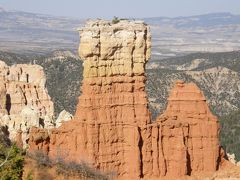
<point>112,129</point>
<point>24,99</point>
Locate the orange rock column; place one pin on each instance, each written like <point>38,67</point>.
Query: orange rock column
<point>189,133</point>
<point>112,111</point>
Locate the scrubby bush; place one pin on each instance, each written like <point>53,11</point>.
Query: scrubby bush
<point>82,170</point>
<point>68,169</point>
<point>115,20</point>
<point>41,158</point>
<point>230,133</point>
<point>43,163</point>
<point>11,162</point>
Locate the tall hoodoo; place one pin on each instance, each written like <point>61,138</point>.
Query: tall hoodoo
<point>113,104</point>
<point>112,128</point>
<point>114,57</point>
<point>106,129</point>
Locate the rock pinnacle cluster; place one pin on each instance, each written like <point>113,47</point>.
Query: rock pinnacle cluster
<point>24,100</point>
<point>112,129</point>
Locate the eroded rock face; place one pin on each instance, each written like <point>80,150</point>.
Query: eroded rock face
<point>186,136</point>
<point>106,129</point>
<point>112,129</point>
<point>24,99</point>
<point>63,117</point>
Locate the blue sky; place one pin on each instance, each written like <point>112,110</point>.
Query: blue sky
<point>123,8</point>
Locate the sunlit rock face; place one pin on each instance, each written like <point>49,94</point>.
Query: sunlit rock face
<point>112,128</point>
<point>186,135</point>
<point>24,99</point>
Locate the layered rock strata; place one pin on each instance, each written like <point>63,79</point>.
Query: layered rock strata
<point>112,129</point>
<point>185,136</point>
<point>24,99</point>
<point>105,130</point>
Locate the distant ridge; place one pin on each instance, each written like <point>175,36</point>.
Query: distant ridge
<point>36,33</point>
<point>26,32</point>
<point>210,19</point>
<point>205,14</point>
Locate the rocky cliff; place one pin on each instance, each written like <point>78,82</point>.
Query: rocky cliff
<point>112,128</point>
<point>24,99</point>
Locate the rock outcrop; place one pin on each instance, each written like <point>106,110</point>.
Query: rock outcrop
<point>185,136</point>
<point>112,128</point>
<point>24,99</point>
<point>63,117</point>
<point>105,130</point>
<point>232,159</point>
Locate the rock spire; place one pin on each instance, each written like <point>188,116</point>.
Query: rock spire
<point>112,129</point>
